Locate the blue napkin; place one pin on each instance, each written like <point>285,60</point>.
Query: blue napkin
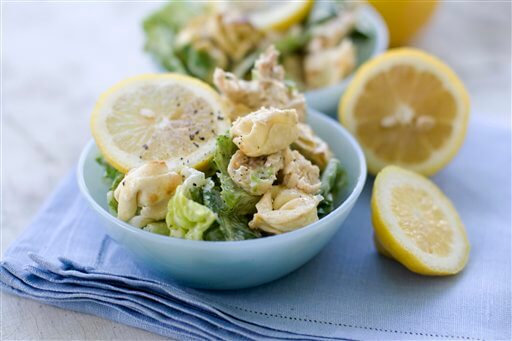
<point>348,291</point>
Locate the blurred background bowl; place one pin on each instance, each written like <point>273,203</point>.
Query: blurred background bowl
<point>231,264</point>
<point>326,99</point>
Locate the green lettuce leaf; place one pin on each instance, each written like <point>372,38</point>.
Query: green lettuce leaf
<point>161,29</point>
<point>231,224</point>
<point>114,177</point>
<point>158,228</point>
<point>185,217</point>
<point>224,150</point>
<point>333,179</point>
<point>199,63</point>
<point>234,197</point>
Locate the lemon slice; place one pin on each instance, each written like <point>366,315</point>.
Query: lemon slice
<point>168,117</point>
<point>406,108</point>
<point>272,15</point>
<point>417,223</point>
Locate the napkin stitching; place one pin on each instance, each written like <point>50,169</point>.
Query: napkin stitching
<point>293,318</point>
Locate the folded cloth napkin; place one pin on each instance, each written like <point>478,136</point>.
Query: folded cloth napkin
<point>65,259</point>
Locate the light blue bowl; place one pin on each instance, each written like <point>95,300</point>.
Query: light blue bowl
<point>231,264</point>
<point>326,99</point>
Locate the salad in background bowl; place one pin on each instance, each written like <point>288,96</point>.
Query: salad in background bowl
<point>321,43</point>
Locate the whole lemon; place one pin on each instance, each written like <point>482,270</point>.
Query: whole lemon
<point>404,18</point>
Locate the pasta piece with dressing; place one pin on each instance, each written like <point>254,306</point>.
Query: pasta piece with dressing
<point>266,89</point>
<point>255,175</point>
<point>265,131</point>
<point>284,209</point>
<point>149,187</point>
<point>300,173</point>
<point>312,147</point>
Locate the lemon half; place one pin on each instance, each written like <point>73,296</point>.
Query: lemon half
<point>168,117</point>
<point>406,108</point>
<point>416,224</point>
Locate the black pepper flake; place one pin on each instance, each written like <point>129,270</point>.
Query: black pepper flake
<point>145,146</point>
<point>197,132</point>
<point>220,118</point>
<point>191,136</point>
<point>211,113</point>
<point>201,138</point>
<point>181,158</point>
<point>194,184</point>
<point>195,111</point>
<point>124,182</point>
<point>195,144</point>
<point>178,104</point>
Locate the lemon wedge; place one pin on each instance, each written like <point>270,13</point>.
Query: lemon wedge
<point>416,224</point>
<point>168,117</point>
<point>406,108</point>
<point>272,15</point>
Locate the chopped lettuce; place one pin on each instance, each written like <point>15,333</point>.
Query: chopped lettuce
<point>234,197</point>
<point>161,30</point>
<point>114,177</point>
<point>158,228</point>
<point>199,63</point>
<point>187,218</point>
<point>231,224</point>
<point>223,153</point>
<point>333,179</point>
<point>293,41</point>
<point>214,233</point>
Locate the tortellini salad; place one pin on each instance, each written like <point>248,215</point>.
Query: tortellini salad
<point>269,174</point>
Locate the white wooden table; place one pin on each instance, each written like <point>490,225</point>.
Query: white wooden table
<point>58,57</point>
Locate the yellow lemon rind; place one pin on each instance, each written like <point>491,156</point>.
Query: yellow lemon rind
<point>118,87</point>
<point>433,64</point>
<point>408,255</point>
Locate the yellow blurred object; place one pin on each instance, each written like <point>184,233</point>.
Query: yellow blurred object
<point>416,224</point>
<point>404,18</point>
<point>272,15</point>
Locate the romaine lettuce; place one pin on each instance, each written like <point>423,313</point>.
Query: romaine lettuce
<point>187,218</point>
<point>114,177</point>
<point>158,228</point>
<point>224,151</point>
<point>333,179</point>
<point>232,225</point>
<point>161,29</point>
<point>234,197</point>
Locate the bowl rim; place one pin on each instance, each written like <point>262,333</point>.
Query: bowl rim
<point>381,45</point>
<point>351,198</point>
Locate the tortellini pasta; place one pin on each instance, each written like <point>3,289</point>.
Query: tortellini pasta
<point>149,187</point>
<point>266,89</point>
<point>329,66</point>
<point>284,209</point>
<point>300,173</point>
<point>224,36</point>
<point>265,131</point>
<point>312,147</point>
<point>255,175</point>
